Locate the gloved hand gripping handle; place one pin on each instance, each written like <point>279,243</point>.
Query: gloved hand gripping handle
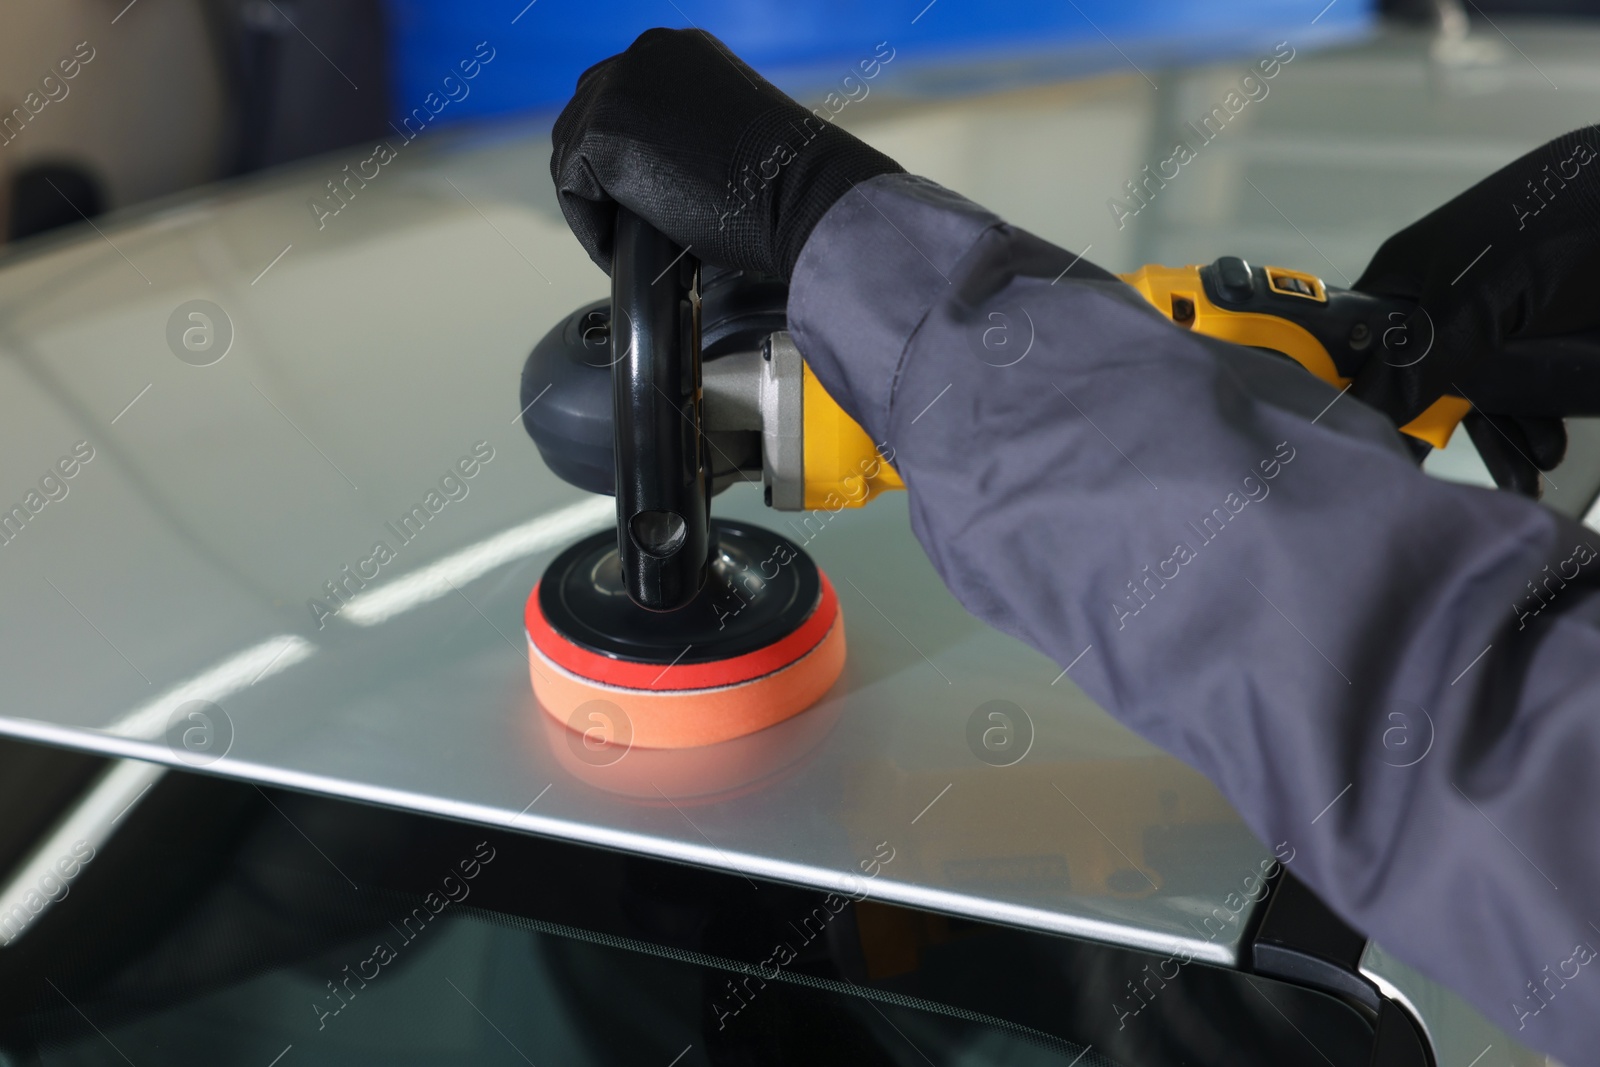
<point>662,483</point>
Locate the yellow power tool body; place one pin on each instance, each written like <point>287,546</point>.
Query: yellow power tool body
<point>1331,332</point>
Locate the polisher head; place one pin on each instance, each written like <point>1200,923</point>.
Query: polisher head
<point>763,641</point>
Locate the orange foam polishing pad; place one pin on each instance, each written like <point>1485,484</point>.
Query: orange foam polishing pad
<point>687,704</point>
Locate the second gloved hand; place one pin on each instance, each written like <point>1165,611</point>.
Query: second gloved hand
<point>1515,257</point>
<point>684,134</point>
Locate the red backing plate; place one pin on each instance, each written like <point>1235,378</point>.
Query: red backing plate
<point>631,674</point>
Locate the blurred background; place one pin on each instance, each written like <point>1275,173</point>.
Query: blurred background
<point>165,95</point>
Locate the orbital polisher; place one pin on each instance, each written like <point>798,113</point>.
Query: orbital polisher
<point>686,382</point>
<point>698,630</point>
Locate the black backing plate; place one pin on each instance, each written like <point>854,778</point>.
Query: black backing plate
<point>761,588</point>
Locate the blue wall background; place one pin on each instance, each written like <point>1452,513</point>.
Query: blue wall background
<point>540,49</point>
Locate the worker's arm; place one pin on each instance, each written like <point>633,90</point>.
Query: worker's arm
<point>1394,679</point>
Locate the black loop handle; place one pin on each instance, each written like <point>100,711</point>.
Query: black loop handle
<point>662,483</point>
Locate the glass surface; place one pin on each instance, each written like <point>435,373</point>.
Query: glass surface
<point>225,924</point>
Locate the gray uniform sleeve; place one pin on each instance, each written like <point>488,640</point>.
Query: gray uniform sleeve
<point>1394,679</point>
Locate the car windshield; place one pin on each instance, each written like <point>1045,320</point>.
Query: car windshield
<point>229,924</point>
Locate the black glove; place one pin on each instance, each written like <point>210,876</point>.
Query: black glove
<point>1516,256</point>
<point>696,143</point>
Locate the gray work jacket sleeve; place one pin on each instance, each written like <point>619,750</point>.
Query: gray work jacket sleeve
<point>1395,680</point>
